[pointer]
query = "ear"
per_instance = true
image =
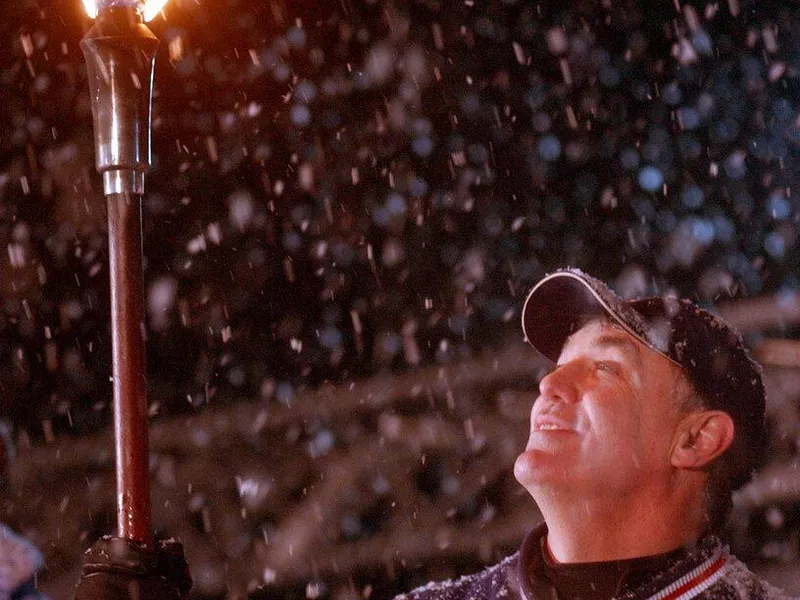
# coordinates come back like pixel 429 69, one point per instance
pixel 700 438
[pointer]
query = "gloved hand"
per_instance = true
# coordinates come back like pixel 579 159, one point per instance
pixel 119 569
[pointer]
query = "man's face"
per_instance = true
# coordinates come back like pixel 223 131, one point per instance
pixel 604 419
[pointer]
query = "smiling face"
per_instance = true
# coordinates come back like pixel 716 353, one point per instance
pixel 604 421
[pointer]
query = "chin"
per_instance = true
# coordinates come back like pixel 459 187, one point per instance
pixel 534 467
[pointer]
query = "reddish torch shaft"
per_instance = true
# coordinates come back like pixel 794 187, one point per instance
pixel 134 520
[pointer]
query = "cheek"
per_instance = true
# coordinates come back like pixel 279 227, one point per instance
pixel 621 431
pixel 661 429
pixel 615 413
pixel 655 438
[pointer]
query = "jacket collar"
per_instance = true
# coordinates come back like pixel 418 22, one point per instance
pixel 702 566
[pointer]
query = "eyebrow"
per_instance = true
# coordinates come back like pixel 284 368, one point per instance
pixel 621 342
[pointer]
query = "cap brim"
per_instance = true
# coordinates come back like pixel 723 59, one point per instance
pixel 557 307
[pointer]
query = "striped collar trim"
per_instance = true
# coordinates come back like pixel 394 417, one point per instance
pixel 695 581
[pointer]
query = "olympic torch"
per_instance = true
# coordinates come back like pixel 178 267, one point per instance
pixel 120 58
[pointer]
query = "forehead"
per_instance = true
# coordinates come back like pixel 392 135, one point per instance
pixel 602 335
pixel 602 331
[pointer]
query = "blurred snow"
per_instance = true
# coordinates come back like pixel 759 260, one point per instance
pixel 344 190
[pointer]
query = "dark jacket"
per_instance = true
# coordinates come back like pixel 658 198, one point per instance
pixel 19 562
pixel 706 572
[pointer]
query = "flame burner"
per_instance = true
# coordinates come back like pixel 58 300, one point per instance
pixel 120 57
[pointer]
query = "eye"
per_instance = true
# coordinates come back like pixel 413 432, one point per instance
pixel 607 367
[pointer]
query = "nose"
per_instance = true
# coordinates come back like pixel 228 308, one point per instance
pixel 560 384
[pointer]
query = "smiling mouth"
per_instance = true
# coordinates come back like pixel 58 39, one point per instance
pixel 550 425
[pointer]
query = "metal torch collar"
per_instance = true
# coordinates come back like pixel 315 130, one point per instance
pixel 119 181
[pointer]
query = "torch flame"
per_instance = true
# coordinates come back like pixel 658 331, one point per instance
pixel 147 8
pixel 151 8
pixel 91 8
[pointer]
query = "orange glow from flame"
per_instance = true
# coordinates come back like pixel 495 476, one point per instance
pixel 147 8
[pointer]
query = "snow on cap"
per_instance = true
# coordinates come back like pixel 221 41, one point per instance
pixel 708 350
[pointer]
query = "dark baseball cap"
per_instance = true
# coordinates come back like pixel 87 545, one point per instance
pixel 708 350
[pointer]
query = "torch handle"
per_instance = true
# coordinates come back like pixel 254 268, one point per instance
pixel 134 521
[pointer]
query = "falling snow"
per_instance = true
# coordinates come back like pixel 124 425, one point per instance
pixel 348 190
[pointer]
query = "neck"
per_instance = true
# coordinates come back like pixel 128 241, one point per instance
pixel 599 530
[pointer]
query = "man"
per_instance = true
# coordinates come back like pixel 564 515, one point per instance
pixel 652 416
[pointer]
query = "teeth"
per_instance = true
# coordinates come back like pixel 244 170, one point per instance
pixel 548 426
